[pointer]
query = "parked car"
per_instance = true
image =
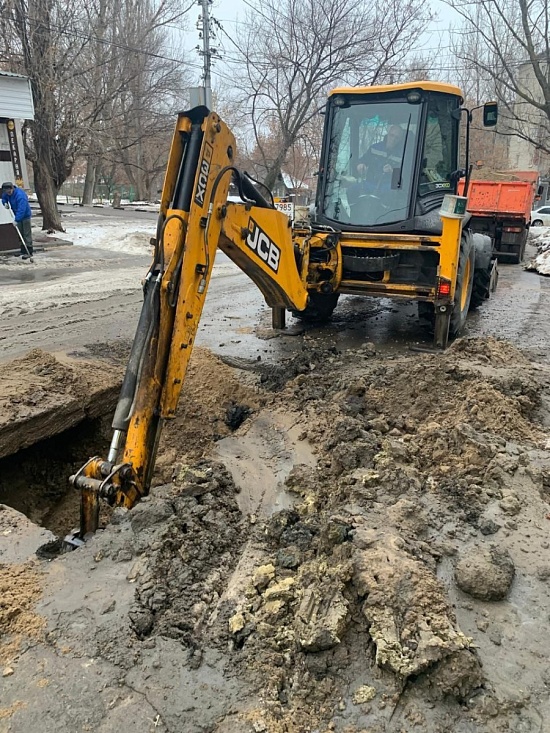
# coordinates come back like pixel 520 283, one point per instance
pixel 541 217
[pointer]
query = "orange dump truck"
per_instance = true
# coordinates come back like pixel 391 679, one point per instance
pixel 502 209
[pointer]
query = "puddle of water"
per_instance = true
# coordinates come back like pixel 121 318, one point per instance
pixel 24 275
pixel 261 459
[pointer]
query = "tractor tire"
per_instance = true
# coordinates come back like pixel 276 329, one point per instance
pixel 481 289
pixel 319 308
pixel 463 290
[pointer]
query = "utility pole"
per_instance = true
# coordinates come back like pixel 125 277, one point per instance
pixel 205 32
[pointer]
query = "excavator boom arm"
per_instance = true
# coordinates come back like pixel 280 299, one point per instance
pixel 194 221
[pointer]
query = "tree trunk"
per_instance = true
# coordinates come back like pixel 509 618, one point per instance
pixel 140 186
pixel 147 186
pixel 90 180
pixel 275 168
pixel 47 197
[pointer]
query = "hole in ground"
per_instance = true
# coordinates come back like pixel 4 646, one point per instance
pixel 35 481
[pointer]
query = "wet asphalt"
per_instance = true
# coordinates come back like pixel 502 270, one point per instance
pixel 236 321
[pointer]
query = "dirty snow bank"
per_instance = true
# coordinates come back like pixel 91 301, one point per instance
pixel 27 298
pixel 540 237
pixel 115 236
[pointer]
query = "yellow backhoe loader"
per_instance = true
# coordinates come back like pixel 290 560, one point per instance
pixel 386 223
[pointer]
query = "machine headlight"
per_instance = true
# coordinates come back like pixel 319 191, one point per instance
pixel 414 97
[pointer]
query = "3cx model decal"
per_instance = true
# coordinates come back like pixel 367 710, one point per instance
pixel 261 244
pixel 204 171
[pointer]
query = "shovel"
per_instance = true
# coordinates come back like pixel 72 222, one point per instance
pixel 21 238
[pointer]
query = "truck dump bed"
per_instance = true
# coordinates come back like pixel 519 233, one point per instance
pixel 508 199
pixel 502 210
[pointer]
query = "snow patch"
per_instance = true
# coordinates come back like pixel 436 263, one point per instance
pixel 540 237
pixel 123 237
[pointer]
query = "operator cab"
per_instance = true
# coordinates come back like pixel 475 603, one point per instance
pixel 389 156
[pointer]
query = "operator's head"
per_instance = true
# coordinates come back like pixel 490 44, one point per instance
pixel 394 136
pixel 7 187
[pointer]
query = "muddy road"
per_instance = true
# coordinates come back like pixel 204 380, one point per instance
pixel 73 297
pixel 343 535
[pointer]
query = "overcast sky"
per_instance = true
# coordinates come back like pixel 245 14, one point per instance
pixel 231 12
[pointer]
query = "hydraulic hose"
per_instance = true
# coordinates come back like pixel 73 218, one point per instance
pixel 145 327
pixel 252 193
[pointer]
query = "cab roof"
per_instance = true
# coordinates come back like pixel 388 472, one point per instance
pixel 428 86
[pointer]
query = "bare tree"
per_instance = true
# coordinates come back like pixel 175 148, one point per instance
pixel 506 43
pixel 294 51
pixel 99 84
pixel 81 57
pixel 133 89
pixel 41 40
pixel 142 119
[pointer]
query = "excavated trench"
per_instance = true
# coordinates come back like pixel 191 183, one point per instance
pixel 35 480
pixel 55 412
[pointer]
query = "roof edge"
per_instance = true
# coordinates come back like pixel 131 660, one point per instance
pixel 429 86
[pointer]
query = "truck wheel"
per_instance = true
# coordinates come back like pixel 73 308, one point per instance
pixel 481 288
pixel 319 308
pixel 463 291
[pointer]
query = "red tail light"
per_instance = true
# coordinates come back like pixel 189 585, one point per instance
pixel 443 288
pixel 512 229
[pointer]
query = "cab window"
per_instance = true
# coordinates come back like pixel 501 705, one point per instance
pixel 370 163
pixel 437 160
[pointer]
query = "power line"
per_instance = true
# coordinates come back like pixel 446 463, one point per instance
pixel 105 41
pixel 487 70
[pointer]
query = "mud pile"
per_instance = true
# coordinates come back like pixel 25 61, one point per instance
pixel 20 588
pixel 347 619
pixel 404 586
pixel 214 403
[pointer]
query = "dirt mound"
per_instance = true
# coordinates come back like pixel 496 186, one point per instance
pixel 487 350
pixel 340 611
pixel 20 588
pixel 490 175
pixel 344 601
pixel 200 546
pixel 215 402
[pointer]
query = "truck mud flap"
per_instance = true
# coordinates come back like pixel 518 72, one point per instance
pixel 494 277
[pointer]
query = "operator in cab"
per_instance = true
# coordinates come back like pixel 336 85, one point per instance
pixel 377 186
pixel 376 166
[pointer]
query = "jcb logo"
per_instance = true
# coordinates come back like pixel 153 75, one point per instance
pixel 259 242
pixel 204 171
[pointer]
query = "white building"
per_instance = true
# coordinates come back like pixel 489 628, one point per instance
pixel 16 105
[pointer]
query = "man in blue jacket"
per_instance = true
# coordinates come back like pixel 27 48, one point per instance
pixel 19 204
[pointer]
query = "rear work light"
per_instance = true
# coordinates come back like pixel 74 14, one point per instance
pixel 512 229
pixel 443 287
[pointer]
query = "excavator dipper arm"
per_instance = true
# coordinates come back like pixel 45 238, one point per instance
pixel 194 220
